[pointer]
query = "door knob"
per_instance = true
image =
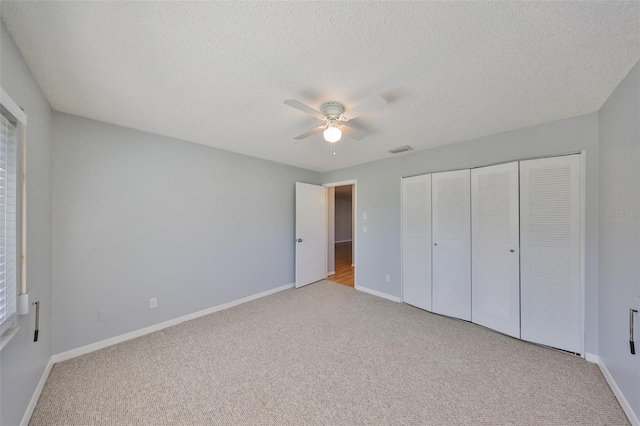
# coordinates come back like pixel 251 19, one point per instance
pixel 435 244
pixel 512 250
pixel 299 240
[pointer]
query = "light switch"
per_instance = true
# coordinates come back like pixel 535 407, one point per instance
pixel 364 229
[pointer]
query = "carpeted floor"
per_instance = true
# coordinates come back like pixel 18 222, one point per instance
pixel 326 354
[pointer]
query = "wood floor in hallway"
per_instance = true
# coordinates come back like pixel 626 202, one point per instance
pixel 344 271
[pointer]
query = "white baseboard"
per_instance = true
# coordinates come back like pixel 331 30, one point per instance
pixel 63 356
pixel 592 358
pixel 626 407
pixel 331 273
pixel 36 394
pixel 378 293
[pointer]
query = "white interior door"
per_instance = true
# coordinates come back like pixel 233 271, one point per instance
pixel 311 233
pixel 451 244
pixel 550 252
pixel 495 249
pixel 416 241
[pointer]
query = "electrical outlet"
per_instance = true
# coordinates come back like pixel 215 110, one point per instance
pixel 364 216
pixel 103 315
pixel 153 303
pixel 387 278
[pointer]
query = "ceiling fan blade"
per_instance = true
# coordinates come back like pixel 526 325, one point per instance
pixel 371 105
pixel 304 108
pixel 348 129
pixel 310 132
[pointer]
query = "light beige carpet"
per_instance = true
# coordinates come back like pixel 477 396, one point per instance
pixel 326 354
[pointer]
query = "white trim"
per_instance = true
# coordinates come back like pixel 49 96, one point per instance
pixel 23 213
pixel 343 183
pixel 354 213
pixel 378 293
pixel 354 247
pixel 331 237
pixel 537 157
pixel 36 393
pixel 342 241
pixel 626 407
pixel 592 358
pixel 402 242
pixel 8 335
pixel 10 324
pixel 63 356
pixel 128 336
pixel 12 107
pixel 583 234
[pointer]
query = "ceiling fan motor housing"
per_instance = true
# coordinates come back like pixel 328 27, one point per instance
pixel 332 109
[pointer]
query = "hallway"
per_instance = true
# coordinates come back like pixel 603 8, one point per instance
pixel 344 271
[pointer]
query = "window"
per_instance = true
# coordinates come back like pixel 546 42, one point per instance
pixel 9 134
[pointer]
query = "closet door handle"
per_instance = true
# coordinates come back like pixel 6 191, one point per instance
pixel 512 250
pixel 632 344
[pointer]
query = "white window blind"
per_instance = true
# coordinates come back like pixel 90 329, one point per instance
pixel 8 233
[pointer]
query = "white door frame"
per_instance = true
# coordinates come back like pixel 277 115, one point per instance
pixel 354 213
pixel 583 264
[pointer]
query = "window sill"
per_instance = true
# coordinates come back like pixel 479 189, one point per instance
pixel 6 337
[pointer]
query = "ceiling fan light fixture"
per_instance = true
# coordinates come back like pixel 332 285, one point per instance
pixel 332 114
pixel 332 133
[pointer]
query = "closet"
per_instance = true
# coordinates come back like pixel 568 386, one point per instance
pixel 451 225
pixel 416 240
pixel 550 190
pixel 499 246
pixel 495 259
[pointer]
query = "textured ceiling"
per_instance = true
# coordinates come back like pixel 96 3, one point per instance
pixel 216 73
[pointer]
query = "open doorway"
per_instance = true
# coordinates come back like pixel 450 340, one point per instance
pixel 341 234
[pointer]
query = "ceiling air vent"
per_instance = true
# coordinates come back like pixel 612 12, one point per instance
pixel 403 148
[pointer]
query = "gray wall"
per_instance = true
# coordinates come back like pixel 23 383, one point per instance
pixel 378 251
pixel 138 215
pixel 344 222
pixel 619 233
pixel 22 361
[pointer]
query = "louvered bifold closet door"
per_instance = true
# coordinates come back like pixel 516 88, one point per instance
pixel 550 252
pixel 451 244
pixel 416 241
pixel 495 261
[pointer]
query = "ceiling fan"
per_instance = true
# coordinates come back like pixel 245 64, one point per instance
pixel 336 119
